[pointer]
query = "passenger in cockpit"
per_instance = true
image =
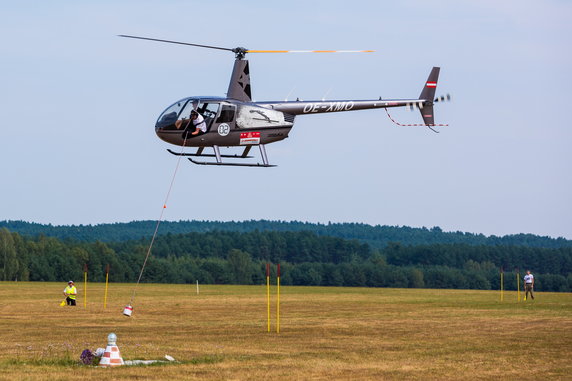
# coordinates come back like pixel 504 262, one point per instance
pixel 194 126
pixel 198 123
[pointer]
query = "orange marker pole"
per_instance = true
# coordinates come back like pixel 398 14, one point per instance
pixel 278 298
pixel 106 282
pixel 85 285
pixel 268 293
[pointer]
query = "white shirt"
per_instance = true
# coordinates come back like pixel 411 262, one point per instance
pixel 529 278
pixel 200 123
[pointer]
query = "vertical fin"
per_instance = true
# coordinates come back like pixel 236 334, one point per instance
pixel 239 86
pixel 427 115
pixel 427 95
pixel 430 87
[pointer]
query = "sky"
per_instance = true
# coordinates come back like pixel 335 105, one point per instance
pixel 79 105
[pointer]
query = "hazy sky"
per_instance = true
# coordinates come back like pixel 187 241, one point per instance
pixel 77 140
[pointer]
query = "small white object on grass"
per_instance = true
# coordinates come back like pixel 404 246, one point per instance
pixel 148 362
pixel 141 362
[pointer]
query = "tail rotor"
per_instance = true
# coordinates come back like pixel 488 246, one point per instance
pixel 419 105
pixel 443 98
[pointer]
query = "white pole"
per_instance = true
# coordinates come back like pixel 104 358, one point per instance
pixel 197 287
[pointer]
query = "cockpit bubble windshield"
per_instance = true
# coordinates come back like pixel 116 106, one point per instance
pixel 178 111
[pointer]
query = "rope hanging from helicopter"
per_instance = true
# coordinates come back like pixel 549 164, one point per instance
pixel 429 126
pixel 160 217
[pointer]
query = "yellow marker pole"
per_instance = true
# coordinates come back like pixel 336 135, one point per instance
pixel 278 299
pixel 85 285
pixel 106 282
pixel 517 286
pixel 268 294
pixel 501 285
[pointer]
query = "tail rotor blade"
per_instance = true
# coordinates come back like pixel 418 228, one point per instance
pixel 443 98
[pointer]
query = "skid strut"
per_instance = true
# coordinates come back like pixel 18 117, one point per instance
pixel 263 154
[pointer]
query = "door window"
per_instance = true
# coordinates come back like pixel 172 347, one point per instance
pixel 208 111
pixel 226 114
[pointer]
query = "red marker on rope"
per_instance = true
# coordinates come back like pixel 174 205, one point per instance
pixel 416 125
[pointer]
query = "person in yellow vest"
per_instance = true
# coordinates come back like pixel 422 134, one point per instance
pixel 70 293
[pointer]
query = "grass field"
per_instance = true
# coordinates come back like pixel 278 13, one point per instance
pixel 326 333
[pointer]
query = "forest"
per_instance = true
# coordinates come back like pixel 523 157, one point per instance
pixel 307 257
pixel 377 236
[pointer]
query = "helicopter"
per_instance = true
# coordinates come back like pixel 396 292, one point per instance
pixel 237 121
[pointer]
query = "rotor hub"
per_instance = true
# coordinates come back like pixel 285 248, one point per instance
pixel 239 52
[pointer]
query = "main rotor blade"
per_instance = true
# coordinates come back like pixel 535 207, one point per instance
pixel 176 42
pixel 242 51
pixel 310 51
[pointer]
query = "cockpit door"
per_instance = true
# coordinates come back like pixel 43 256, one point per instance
pixel 209 111
pixel 227 113
pixel 225 120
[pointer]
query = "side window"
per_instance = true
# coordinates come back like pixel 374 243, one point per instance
pixel 226 114
pixel 209 110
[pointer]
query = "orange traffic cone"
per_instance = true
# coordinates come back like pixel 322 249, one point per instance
pixel 111 356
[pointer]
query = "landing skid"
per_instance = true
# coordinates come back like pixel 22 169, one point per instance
pixel 219 157
pixel 208 155
pixel 230 164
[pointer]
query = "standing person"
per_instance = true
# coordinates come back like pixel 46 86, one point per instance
pixel 528 284
pixel 70 292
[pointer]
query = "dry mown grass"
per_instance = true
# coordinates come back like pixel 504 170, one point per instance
pixel 326 333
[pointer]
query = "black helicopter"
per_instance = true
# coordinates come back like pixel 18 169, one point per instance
pixel 237 121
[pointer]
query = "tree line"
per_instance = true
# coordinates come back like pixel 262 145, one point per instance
pixel 376 236
pixel 306 258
